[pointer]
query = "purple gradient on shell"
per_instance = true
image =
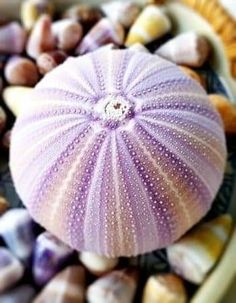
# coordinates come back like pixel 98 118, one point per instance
pixel 121 153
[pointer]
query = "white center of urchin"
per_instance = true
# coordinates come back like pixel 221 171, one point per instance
pixel 113 108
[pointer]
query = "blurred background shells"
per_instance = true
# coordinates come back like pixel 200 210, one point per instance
pixel 49 60
pixel 151 24
pixel 20 294
pixel 195 254
pixel 123 12
pixel 3 118
pixel 4 205
pixel 164 288
pixel 31 10
pixel 12 38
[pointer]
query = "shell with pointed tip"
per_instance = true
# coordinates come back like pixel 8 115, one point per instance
pixel 150 25
pixel 120 159
pixel 104 32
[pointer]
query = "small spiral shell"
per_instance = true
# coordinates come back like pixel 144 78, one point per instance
pixel 119 152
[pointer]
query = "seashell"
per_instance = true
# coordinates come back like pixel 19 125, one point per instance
pixel 67 286
pixel 17 98
pixel 31 10
pixel 164 288
pixel 194 75
pixel 104 32
pixel 21 71
pixel 6 142
pixel 189 49
pixel 80 117
pixel 97 265
pixel 68 33
pixel 151 24
pixel 21 294
pixel 11 270
pixel 86 14
pixel 16 229
pixel 227 111
pixel 48 61
pixel 116 287
pixel 195 254
pixel 41 38
pixel 3 119
pixel 12 38
pixel 50 256
pixel 123 12
pixel 4 205
pixel 138 47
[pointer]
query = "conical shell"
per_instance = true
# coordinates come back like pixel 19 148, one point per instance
pixel 66 287
pixel 123 12
pixel 68 33
pixel 31 10
pixel 50 256
pixel 151 24
pixel 12 38
pixel 116 287
pixel 21 294
pixel 97 265
pixel 164 288
pixel 150 103
pixel 227 111
pixel 194 255
pixel 104 32
pixel 41 38
pixel 21 71
pixel 189 49
pixel 11 270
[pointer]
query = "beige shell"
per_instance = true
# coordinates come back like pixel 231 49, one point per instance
pixel 151 24
pixel 164 288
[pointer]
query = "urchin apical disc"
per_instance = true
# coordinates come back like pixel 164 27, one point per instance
pixel 119 154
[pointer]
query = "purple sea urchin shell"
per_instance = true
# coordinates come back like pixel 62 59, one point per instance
pixel 120 153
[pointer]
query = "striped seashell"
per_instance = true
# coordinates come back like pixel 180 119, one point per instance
pixel 104 32
pixel 11 270
pixel 41 38
pixel 151 24
pixel 21 294
pixel 164 288
pixel 123 12
pixel 67 287
pixel 16 229
pixel 50 256
pixel 130 156
pixel 194 255
pixel 12 38
pixel 116 287
pixel 97 265
pixel 189 49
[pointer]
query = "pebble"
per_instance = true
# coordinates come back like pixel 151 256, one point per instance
pixel 31 10
pixel 11 270
pixel 21 71
pixel 164 288
pixel 189 49
pixel 150 25
pixel 195 254
pixel 16 229
pixel 66 287
pixel 104 32
pixel 41 38
pixel 12 38
pixel 21 294
pixel 50 256
pixel 97 265
pixel 68 33
pixel 48 61
pixel 115 287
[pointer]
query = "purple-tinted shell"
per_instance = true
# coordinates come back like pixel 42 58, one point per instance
pixel 120 153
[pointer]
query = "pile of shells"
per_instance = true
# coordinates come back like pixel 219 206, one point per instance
pixel 33 263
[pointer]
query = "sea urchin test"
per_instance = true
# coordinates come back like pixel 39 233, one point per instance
pixel 120 153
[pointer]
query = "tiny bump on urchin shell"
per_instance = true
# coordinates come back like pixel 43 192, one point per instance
pixel 120 153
